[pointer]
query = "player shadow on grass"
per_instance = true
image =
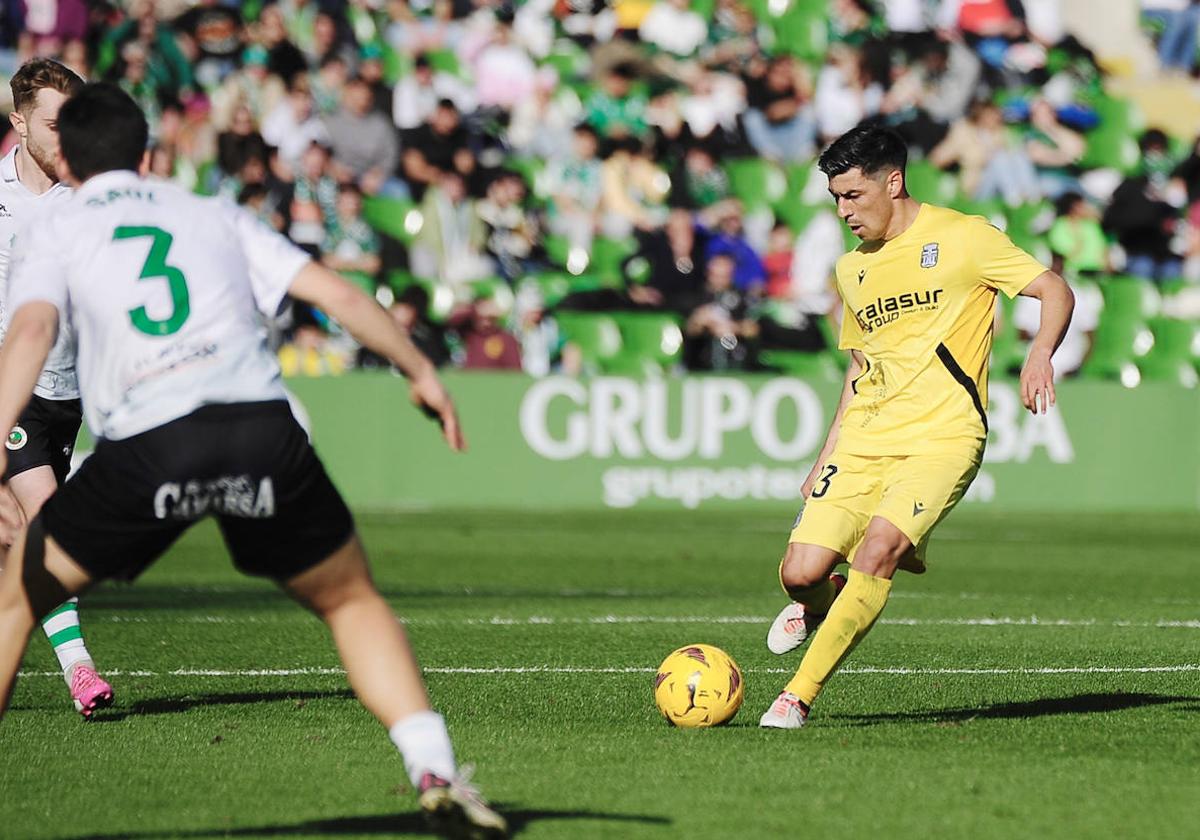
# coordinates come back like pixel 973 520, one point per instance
pixel 1077 704
pixel 173 705
pixel 383 824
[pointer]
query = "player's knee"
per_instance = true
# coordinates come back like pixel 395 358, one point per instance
pixel 880 554
pixel 338 582
pixel 800 569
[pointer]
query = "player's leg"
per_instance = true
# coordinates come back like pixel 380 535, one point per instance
pixel 920 492
pixel 38 574
pixel 850 616
pixel 806 575
pixel 40 458
pixel 854 613
pixel 302 535
pixel 830 524
pixel 385 676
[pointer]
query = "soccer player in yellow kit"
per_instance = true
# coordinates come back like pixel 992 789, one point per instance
pixel 907 438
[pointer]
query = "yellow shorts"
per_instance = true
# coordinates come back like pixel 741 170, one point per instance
pixel 913 492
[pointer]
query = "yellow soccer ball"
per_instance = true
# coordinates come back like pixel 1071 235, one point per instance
pixel 698 685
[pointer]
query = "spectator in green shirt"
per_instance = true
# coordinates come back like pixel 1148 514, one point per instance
pixel 1076 235
pixel 167 69
pixel 615 110
pixel 350 246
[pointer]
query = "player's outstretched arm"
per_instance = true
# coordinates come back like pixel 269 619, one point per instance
pixel 374 329
pixel 28 342
pixel 1037 375
pixel 856 367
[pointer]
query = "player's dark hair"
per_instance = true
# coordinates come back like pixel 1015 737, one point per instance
pixel 866 147
pixel 101 129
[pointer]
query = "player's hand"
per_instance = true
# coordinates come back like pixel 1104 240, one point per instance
pixel 1037 383
pixel 807 487
pixel 431 397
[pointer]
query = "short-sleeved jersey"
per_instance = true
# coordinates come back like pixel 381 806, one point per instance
pixel 920 308
pixel 164 290
pixel 17 207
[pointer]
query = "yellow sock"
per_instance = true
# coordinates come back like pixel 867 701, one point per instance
pixel 849 619
pixel 816 599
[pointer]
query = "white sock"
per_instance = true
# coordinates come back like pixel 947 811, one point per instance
pixel 425 746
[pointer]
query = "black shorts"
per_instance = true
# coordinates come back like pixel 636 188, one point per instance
pixel 248 464
pixel 44 437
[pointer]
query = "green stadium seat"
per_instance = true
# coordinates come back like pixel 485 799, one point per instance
pixel 1107 149
pixel 556 285
pixel 802 30
pixel 798 175
pixel 597 336
pixel 445 61
pixel 1029 219
pixel 926 182
pixel 529 168
pixel 568 59
pixel 395 217
pixel 558 249
pixel 811 366
pixel 992 209
pixel 704 8
pixel 651 336
pixel 756 182
pixel 441 297
pixel 1113 143
pixel 797 215
pixel 1130 298
pixel 608 254
pixel 1175 354
pixel 491 288
pixel 1124 336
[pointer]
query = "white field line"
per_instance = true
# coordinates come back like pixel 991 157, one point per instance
pixel 571 669
pixel 542 621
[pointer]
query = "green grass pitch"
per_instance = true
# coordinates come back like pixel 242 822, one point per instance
pixel 1042 680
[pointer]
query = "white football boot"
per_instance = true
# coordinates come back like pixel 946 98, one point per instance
pixel 455 808
pixel 787 712
pixel 792 627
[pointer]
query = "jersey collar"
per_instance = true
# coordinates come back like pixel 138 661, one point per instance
pixel 107 180
pixel 8 165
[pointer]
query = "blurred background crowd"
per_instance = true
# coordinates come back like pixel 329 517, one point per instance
pixel 599 186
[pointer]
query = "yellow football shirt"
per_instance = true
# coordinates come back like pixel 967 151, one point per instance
pixel 920 308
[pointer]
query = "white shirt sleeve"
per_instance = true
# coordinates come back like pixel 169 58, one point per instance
pixel 37 271
pixel 274 261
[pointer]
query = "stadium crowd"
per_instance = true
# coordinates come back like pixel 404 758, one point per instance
pixel 607 185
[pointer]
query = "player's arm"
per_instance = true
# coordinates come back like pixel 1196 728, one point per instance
pixel 373 328
pixel 856 367
pixel 1037 375
pixel 28 342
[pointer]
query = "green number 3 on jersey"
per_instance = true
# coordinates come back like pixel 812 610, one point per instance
pixel 156 267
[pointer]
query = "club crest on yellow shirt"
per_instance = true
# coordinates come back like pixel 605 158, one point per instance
pixel 929 255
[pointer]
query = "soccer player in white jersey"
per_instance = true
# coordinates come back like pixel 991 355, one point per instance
pixel 40 444
pixel 164 290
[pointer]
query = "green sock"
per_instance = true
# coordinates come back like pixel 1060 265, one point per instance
pixel 63 630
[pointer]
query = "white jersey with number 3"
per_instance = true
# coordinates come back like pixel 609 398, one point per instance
pixel 17 206
pixel 163 289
